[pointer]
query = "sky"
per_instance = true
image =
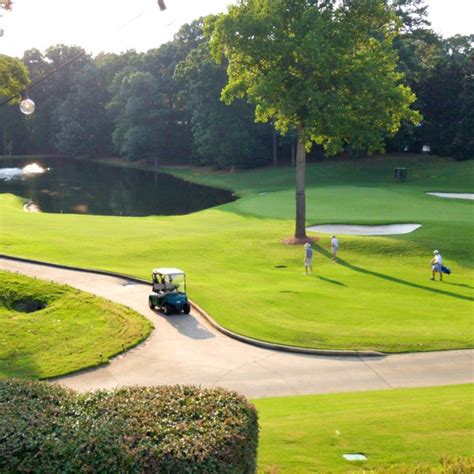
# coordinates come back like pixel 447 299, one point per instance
pixel 118 25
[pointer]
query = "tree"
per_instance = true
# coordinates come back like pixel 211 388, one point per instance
pixel 173 131
pixel 51 93
pixel 138 105
pixel 447 99
pixel 85 127
pixel 412 13
pixel 211 119
pixel 12 130
pixel 420 50
pixel 326 69
pixel 13 76
pixel 464 138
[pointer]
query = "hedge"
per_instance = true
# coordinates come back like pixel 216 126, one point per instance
pixel 45 428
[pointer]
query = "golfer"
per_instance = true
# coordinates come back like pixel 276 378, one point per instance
pixel 436 264
pixel 308 259
pixel 334 247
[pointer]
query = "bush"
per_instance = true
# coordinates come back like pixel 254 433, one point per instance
pixel 46 428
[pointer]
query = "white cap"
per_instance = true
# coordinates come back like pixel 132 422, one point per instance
pixel 435 251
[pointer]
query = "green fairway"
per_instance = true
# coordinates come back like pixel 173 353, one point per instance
pixel 379 296
pixel 311 433
pixel 72 331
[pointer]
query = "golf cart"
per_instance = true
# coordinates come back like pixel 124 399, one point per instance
pixel 169 291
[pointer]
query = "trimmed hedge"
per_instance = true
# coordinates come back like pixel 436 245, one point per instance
pixel 45 428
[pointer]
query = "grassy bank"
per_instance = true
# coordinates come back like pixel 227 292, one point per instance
pixel 378 297
pixel 311 433
pixel 71 331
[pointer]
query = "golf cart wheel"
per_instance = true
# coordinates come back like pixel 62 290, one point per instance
pixel 186 308
pixel 167 309
pixel 150 303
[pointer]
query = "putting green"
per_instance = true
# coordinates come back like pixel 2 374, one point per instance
pixel 379 296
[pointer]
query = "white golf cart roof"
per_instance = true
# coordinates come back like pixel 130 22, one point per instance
pixel 168 271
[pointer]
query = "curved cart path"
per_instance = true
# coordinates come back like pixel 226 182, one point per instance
pixel 185 349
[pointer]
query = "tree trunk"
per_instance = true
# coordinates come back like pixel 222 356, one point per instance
pixel 274 145
pixel 300 229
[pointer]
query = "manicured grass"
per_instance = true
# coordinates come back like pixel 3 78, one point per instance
pixel 74 330
pixel 405 426
pixel 378 297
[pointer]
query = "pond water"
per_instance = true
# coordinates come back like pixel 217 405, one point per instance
pixel 63 185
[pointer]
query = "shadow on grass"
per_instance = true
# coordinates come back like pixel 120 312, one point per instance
pixel 334 282
pixel 463 285
pixel 18 364
pixel 393 279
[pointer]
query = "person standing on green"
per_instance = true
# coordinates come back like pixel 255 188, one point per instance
pixel 308 258
pixel 334 247
pixel 437 265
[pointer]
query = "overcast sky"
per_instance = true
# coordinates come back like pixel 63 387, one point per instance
pixel 118 25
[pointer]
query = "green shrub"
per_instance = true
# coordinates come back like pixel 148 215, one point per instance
pixel 176 429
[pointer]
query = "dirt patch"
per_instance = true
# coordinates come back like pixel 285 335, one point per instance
pixel 298 241
pixel 27 305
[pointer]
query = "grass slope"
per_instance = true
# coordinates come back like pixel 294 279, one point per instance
pixel 378 297
pixel 405 426
pixel 75 330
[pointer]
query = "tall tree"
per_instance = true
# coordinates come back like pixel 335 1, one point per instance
pixel 420 51
pixel 13 76
pixel 85 127
pixel 447 99
pixel 412 13
pixel 138 105
pixel 327 69
pixel 12 130
pixel 49 94
pixel 212 119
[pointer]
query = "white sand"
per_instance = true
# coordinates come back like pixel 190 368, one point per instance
pixel 30 206
pixel 391 229
pixel 469 196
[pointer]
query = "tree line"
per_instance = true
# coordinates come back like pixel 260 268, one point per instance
pixel 165 105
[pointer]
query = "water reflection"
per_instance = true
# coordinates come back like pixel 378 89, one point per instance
pixel 71 186
pixel 7 174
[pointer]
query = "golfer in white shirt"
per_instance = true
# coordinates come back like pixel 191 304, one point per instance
pixel 436 264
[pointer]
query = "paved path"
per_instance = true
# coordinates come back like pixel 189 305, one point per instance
pixel 185 349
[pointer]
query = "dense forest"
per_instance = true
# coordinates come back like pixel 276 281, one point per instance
pixel 164 105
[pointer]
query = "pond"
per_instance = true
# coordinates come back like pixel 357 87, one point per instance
pixel 62 185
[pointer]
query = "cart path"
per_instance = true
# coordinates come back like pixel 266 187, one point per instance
pixel 185 349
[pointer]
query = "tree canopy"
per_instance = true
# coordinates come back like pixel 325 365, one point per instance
pixel 84 109
pixel 329 70
pixel 14 76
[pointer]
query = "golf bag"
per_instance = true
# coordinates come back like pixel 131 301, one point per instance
pixel 445 270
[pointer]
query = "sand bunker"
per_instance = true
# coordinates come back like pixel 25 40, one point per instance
pixel 469 196
pixel 392 229
pixel 30 206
